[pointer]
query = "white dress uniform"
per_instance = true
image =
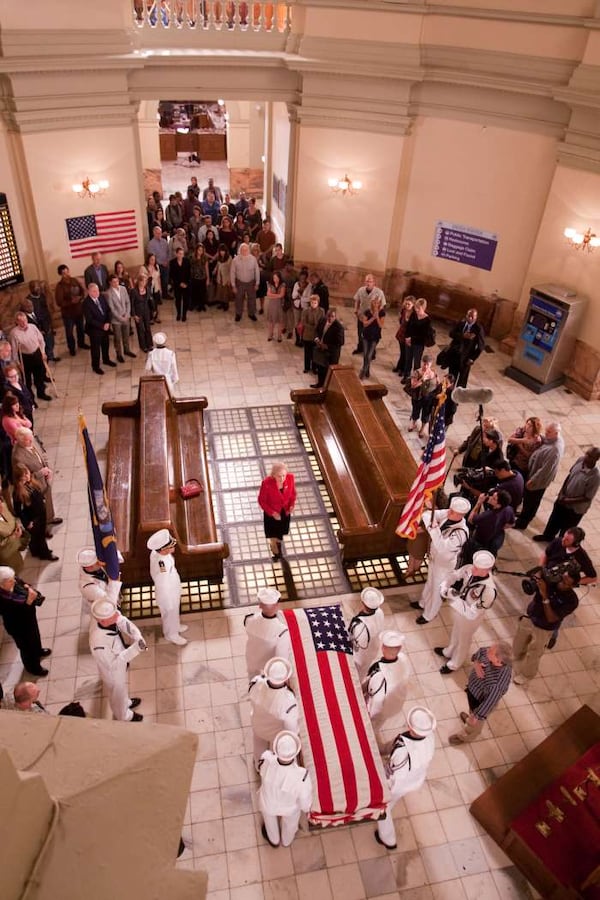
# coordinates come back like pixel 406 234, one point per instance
pixel 112 654
pixel 273 709
pixel 167 590
pixel 468 604
pixel 267 637
pixel 444 550
pixel 286 791
pixel 407 770
pixel 162 361
pixel 364 631
pixel 385 689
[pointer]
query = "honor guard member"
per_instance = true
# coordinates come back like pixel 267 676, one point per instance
pixel 387 680
pixel 410 756
pixel 167 583
pixel 112 653
pixel 448 532
pixel 365 629
pixel 285 791
pixel 273 705
pixel 267 632
pixel 93 574
pixel 469 591
pixel 162 361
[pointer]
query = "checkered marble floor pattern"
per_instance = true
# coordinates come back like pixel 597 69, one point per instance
pixel 442 852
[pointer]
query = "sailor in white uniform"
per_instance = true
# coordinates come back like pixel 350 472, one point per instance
pixel 285 791
pixel 92 574
pixel 364 630
pixel 114 641
pixel 273 705
pixel 448 532
pixel 410 756
pixel 387 681
pixel 267 632
pixel 162 361
pixel 469 590
pixel 167 584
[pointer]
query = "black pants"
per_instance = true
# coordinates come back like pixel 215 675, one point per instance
pixel 531 504
pixel 99 346
pixel 33 364
pixel 561 518
pixel 77 325
pixel 181 302
pixel 26 635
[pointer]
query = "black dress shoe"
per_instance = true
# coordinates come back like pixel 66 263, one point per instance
pixel 50 557
pixel 263 831
pixel 109 362
pixel 356 352
pixel 46 651
pixel 446 670
pixel 414 604
pixel 44 397
pixel 316 385
pixel 39 672
pixel 519 526
pixel 120 358
pixel 98 371
pixel 137 717
pixel 383 844
pixel 421 620
pixel 541 539
pixel 132 355
pixel 55 521
pixel 84 346
pixel 135 701
pixel 55 359
pixel 237 318
pixel 439 651
pixel 252 318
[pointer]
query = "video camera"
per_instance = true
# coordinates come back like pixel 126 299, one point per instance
pixel 550 575
pixel 482 479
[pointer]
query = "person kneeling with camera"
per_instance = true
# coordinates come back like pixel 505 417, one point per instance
pixel 553 599
pixel 18 602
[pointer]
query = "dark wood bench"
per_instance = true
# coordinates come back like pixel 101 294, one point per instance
pixel 366 465
pixel 155 444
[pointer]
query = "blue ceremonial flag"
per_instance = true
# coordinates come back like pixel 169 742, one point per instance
pixel 102 523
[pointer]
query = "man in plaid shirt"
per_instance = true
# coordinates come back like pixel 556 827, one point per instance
pixel 489 680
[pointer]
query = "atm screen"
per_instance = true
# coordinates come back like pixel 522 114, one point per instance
pixel 543 324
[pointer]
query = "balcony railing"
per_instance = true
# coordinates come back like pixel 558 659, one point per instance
pixel 212 15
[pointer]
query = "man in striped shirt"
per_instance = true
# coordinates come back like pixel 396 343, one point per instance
pixel 489 680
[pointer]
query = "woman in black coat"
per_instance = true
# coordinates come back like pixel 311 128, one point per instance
pixel 180 276
pixel 329 341
pixel 141 310
pixel 417 337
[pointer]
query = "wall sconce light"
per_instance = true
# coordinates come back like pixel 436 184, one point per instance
pixel 586 241
pixel 89 188
pixel 344 185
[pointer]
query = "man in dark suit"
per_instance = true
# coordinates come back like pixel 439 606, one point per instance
pixel 329 341
pixel 97 326
pixel 468 341
pixel 97 273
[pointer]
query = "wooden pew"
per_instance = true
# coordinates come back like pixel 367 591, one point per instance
pixel 155 444
pixel 366 465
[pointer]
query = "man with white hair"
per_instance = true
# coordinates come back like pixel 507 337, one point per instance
pixel 285 791
pixel 245 279
pixel 273 705
pixel 410 757
pixel 114 641
pixel 162 361
pixel 541 472
pixel 448 532
pixel 489 680
pixel 387 680
pixel 18 604
pixel 167 584
pixel 364 630
pixel 267 632
pixel 470 591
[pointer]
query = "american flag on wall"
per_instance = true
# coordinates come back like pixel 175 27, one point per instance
pixel 338 743
pixel 103 232
pixel 430 475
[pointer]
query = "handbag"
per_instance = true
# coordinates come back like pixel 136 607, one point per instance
pixel 191 488
pixel 430 337
pixel 443 358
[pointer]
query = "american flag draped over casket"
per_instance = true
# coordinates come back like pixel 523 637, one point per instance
pixel 338 743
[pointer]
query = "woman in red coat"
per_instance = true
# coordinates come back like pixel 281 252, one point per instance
pixel 277 498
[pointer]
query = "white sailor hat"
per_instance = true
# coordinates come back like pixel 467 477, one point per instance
pixel 286 746
pixel 103 609
pixel 483 559
pixel 159 339
pixel 460 505
pixel 87 556
pixel 421 720
pixel 392 639
pixel 371 598
pixel 94 591
pixel 277 670
pixel 268 596
pixel 160 539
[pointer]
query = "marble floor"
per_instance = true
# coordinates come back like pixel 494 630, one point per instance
pixel 442 853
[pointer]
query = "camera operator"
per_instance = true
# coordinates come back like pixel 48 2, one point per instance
pixel 501 477
pixel 492 442
pixel 568 547
pixel 18 602
pixel 489 518
pixel 537 628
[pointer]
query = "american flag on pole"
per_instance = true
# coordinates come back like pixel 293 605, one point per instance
pixel 102 232
pixel 430 474
pixel 338 743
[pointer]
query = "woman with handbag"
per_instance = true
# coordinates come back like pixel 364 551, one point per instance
pixel 418 335
pixel 310 318
pixel 30 508
pixel 277 499
pixel 406 311
pixel 276 291
pixel 522 443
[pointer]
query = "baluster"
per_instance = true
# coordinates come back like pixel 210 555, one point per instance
pixel 164 13
pixel 178 13
pixel 244 12
pixel 257 16
pixel 217 14
pixel 192 13
pixel 283 18
pixel 230 16
pixel 138 12
pixel 267 16
pixel 204 13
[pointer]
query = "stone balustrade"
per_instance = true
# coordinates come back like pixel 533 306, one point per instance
pixel 213 15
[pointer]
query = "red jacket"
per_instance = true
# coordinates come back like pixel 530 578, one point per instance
pixel 271 500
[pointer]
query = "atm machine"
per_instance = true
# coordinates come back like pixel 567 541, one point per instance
pixel 547 340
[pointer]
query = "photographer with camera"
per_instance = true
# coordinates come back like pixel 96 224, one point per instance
pixel 566 548
pixel 553 599
pixel 489 518
pixel 18 602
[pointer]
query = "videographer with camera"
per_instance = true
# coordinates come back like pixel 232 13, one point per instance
pixel 18 602
pixel 489 518
pixel 568 547
pixel 553 599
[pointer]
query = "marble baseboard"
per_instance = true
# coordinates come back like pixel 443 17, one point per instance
pixel 583 375
pixel 249 180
